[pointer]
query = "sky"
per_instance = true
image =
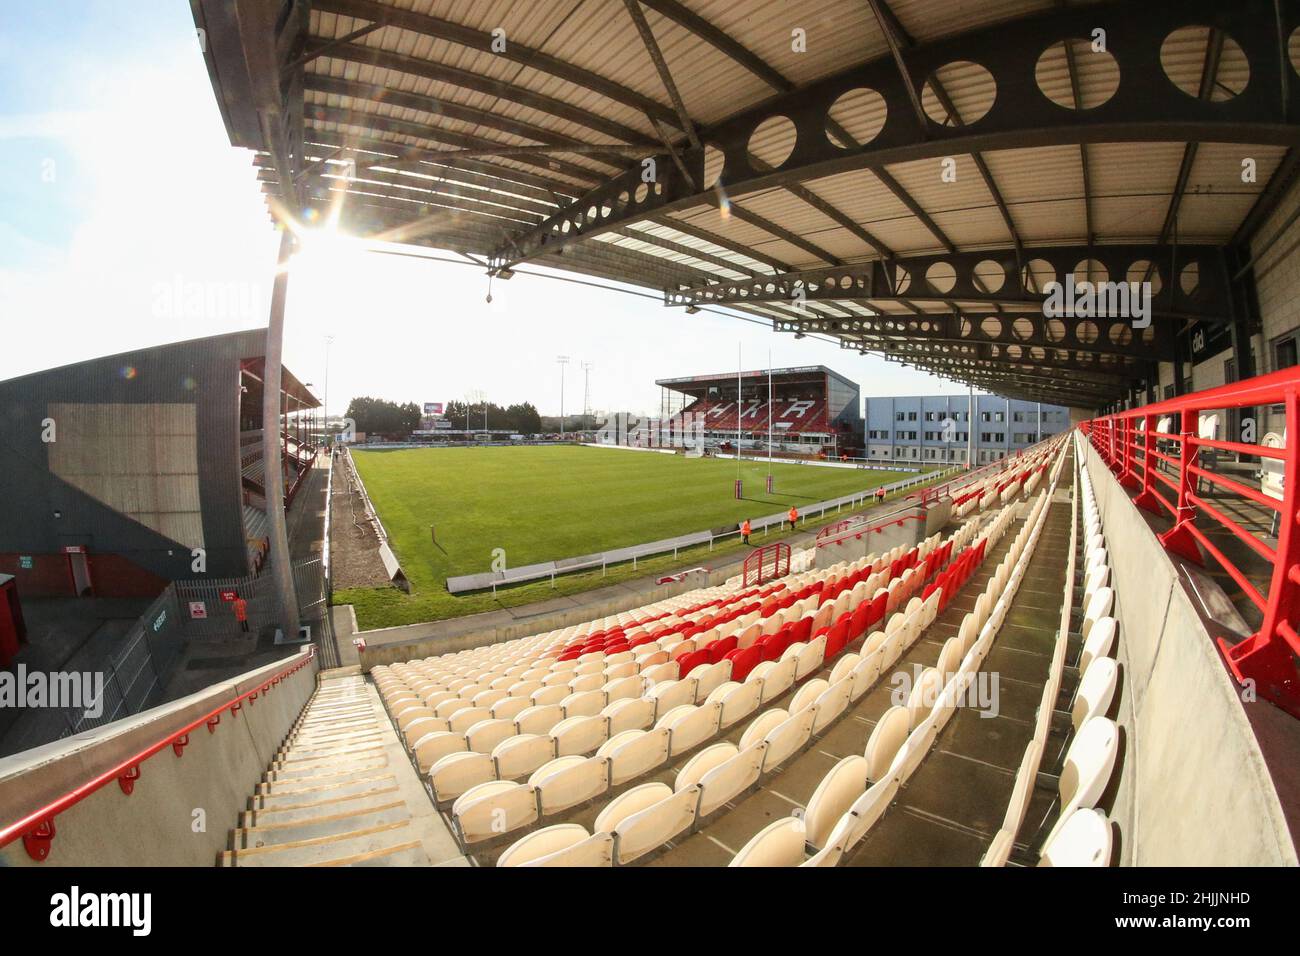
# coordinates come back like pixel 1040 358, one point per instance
pixel 128 220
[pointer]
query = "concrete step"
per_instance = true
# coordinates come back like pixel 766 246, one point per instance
pixel 293 755
pixel 273 795
pixel 328 771
pixel 338 849
pixel 309 806
pixel 338 822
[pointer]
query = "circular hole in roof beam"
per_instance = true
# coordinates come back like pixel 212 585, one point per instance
pixel 1090 270
pixel 1037 354
pixel 1144 270
pixel 1293 49
pixel 772 142
pixel 989 275
pixel 1036 275
pixel 1120 333
pixel 1068 63
pixel 1015 351
pixel 1184 56
pixel 991 326
pixel 941 276
pixel 1022 328
pixel 1055 330
pixel 1149 334
pixel 959 94
pixel 859 113
pixel 714 161
pixel 623 199
pixel 642 190
pixel 964 327
pixel 1189 277
pixel 902 280
pixel 1086 331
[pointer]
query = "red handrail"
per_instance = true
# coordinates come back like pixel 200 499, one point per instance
pixel 1130 446
pixel 37 827
pixel 777 552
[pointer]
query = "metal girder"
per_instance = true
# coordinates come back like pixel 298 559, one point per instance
pixel 1146 107
pixel 973 277
pixel 1026 331
pixel 1082 366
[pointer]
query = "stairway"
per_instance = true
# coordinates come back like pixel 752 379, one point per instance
pixel 340 792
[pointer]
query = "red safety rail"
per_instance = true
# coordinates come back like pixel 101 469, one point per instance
pixel 895 519
pixel 773 557
pixel 934 492
pixel 1130 445
pixel 37 827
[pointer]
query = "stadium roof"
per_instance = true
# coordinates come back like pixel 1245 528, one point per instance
pixel 903 175
pixel 695 382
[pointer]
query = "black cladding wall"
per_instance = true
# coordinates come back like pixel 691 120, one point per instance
pixel 202 372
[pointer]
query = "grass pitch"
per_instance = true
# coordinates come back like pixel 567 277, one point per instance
pixel 539 503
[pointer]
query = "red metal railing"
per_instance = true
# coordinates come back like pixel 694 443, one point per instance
pixel 765 563
pixel 1165 471
pixel 37 827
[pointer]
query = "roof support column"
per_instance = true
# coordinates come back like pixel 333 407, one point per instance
pixel 285 601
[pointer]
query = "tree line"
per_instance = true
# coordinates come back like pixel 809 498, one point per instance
pixel 379 416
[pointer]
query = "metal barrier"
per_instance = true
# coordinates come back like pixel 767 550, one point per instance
pixel 766 563
pixel 1164 471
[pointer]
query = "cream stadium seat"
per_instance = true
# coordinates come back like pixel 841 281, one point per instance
pixel 843 667
pixel 865 673
pixel 831 703
pixel 885 741
pixel 690 726
pixel 950 656
pixel 627 668
pixel 1096 690
pixel 490 809
pixel 634 752
pixel 508 708
pixel 868 809
pixel 1089 762
pixel 709 678
pixel 670 694
pixel 647 817
pixel 1099 606
pixel 579 735
pixel 999 850
pixel 738 700
pixel 1023 788
pixel 630 713
pixel 568 781
pixel 457 772
pixel 788 737
pixel 588 683
pixel 489 697
pixel 1086 839
pixel 625 688
pixel 807 695
pixel 431 748
pixel 520 755
pixel 584 703
pixel 539 719
pixel 552 694
pixel 1099 641
pixel 463 720
pixel 811 657
pixel 780 843
pixel 924 695
pixel 914 750
pixel 566 844
pixel 833 798
pixel 484 736
pixel 410 715
pixel 419 728
pixel 777 678
pixel 449 708
pixel 660 672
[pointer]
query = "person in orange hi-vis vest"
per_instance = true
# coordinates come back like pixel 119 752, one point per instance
pixel 794 517
pixel 744 531
pixel 241 612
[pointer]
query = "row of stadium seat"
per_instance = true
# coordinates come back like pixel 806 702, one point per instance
pixel 1080 835
pixel 643 819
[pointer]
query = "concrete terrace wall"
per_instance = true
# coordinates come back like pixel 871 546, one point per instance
pixel 154 826
pixel 1194 787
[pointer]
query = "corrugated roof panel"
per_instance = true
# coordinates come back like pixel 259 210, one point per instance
pixel 931 19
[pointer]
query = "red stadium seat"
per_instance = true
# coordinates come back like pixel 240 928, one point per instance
pixel 721 648
pixel 688 662
pixel 858 622
pixel 838 636
pixel 743 661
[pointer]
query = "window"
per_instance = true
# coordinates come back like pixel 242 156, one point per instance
pixel 1169 392
pixel 1285 350
pixel 984 417
pixel 911 416
pixel 997 416
pixel 898 417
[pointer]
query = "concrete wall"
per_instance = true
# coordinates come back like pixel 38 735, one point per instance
pixel 156 825
pixel 1194 788
pixel 875 541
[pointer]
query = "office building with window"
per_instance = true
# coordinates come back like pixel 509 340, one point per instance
pixel 947 429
